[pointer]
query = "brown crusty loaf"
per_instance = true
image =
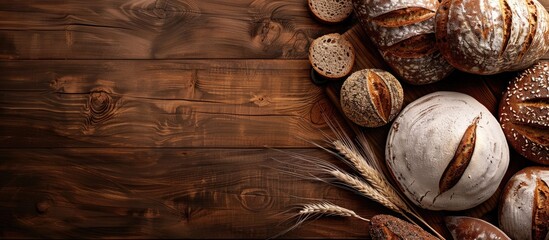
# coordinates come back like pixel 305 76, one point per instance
pixel 371 97
pixel 466 228
pixel 330 11
pixel 524 205
pixel 524 113
pixel 492 36
pixel 332 56
pixel 383 227
pixel 403 31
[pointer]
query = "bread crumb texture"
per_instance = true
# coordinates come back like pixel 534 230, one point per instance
pixel 332 56
pixel 331 11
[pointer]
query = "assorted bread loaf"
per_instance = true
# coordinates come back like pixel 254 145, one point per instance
pixel 524 113
pixel 332 56
pixel 492 36
pixel 330 11
pixel 524 208
pixel 447 152
pixel 371 97
pixel 404 33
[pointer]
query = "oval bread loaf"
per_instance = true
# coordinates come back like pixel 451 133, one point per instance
pixel 332 56
pixel 446 151
pixel 468 228
pixel 403 31
pixel 492 36
pixel 371 97
pixel 524 113
pixel 524 205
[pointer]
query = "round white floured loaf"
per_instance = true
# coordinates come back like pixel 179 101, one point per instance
pixel 524 206
pixel 434 133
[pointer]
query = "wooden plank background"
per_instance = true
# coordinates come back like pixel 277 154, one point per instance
pixel 150 119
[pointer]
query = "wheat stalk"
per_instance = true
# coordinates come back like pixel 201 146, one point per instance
pixel 373 176
pixel 364 189
pixel 329 209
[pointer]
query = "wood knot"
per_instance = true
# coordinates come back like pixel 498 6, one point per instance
pixel 321 107
pixel 100 107
pixel 260 100
pixel 164 9
pixel 43 206
pixel 255 199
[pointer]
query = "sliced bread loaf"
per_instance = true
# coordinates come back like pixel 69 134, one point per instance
pixel 331 11
pixel 332 56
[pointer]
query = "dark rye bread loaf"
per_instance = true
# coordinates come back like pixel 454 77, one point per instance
pixel 524 113
pixel 403 31
pixel 383 227
pixel 492 36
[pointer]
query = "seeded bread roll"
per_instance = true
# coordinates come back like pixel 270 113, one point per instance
pixel 331 11
pixel 371 97
pixel 384 227
pixel 492 36
pixel 332 56
pixel 524 113
pixel 446 151
pixel 403 31
pixel 524 205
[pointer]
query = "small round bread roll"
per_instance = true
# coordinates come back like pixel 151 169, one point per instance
pixel 524 113
pixel 446 151
pixel 524 205
pixel 332 56
pixel 371 97
pixel 331 11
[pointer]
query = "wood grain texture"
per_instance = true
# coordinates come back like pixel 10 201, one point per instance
pixel 163 193
pixel 157 29
pixel 225 103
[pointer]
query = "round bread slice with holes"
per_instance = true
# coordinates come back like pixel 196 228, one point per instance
pixel 446 151
pixel 331 11
pixel 332 56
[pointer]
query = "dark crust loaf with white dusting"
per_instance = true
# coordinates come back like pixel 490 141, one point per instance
pixel 403 31
pixel 524 113
pixel 524 206
pixel 383 227
pixel 492 36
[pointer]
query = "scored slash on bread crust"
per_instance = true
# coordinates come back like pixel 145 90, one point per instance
pixel 394 26
pixel 330 11
pixel 492 36
pixel 332 56
pixel 524 113
pixel 371 97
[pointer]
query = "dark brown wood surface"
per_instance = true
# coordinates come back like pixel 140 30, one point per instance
pixel 151 119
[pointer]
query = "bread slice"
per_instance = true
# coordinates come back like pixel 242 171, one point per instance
pixel 332 56
pixel 331 11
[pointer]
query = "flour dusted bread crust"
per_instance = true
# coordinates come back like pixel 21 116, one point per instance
pixel 371 97
pixel 447 152
pixel 524 205
pixel 403 31
pixel 524 113
pixel 332 56
pixel 330 11
pixel 492 36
